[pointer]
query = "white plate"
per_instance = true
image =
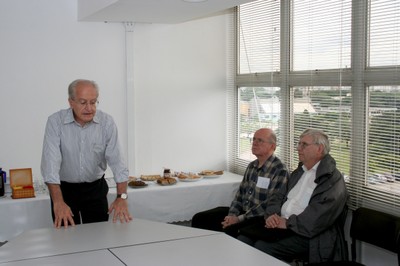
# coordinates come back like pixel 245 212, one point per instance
pixel 211 176
pixel 190 179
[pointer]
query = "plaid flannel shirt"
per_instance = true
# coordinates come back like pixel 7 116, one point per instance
pixel 251 200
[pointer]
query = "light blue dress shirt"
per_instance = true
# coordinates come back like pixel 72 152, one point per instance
pixel 76 154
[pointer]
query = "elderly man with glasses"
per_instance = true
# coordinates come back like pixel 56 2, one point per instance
pixel 305 222
pixel 263 177
pixel 78 144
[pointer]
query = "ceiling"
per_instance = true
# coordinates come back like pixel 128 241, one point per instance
pixel 151 11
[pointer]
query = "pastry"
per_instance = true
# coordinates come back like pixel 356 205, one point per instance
pixel 210 172
pixel 193 176
pixel 137 183
pixel 166 181
pixel 150 177
pixel 183 176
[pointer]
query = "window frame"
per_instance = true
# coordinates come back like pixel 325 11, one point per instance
pixel 359 77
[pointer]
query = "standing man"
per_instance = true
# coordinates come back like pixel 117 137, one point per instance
pixel 305 222
pixel 263 177
pixel 78 144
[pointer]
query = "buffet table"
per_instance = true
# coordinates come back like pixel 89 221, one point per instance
pixel 139 242
pixel 154 202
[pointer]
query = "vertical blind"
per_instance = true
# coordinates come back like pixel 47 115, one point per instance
pixel 258 45
pixel 343 77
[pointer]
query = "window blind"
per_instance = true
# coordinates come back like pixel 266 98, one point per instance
pixel 338 70
pixel 259 36
pixel 258 51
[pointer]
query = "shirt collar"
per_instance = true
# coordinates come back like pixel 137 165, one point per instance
pixel 314 168
pixel 267 162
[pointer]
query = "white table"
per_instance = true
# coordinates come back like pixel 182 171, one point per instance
pixel 174 203
pixel 219 249
pixel 18 215
pixel 140 242
pixel 181 201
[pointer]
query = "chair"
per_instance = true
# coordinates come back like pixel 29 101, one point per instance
pixel 374 227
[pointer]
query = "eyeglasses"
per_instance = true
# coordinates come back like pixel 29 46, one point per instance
pixel 303 145
pixel 258 140
pixel 84 103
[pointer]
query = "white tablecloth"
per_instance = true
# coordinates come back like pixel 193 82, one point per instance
pixel 173 203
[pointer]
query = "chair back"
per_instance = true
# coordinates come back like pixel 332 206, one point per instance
pixel 398 248
pixel 376 228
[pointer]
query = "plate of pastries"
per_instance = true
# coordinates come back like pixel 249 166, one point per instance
pixel 211 173
pixel 137 184
pixel 189 177
pixel 166 181
pixel 150 177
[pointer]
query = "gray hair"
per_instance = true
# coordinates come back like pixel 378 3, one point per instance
pixel 272 137
pixel 75 83
pixel 319 137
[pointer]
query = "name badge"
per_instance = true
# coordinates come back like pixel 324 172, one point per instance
pixel 263 182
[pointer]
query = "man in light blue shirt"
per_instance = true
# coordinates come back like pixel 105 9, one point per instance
pixel 78 144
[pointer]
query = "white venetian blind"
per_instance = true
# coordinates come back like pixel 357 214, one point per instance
pixel 321 53
pixel 321 34
pixel 259 36
pixel 332 65
pixel 382 183
pixel 258 44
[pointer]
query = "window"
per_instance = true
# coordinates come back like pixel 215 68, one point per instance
pixel 259 37
pixel 318 42
pixel 332 65
pixel 259 107
pixel 327 108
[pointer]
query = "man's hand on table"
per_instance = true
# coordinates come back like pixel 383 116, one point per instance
pixel 121 212
pixel 62 213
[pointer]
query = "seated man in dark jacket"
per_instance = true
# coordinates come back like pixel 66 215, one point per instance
pixel 302 223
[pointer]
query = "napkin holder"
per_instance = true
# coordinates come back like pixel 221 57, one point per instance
pixel 21 183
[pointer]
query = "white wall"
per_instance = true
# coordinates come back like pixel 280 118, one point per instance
pixel 180 99
pixel 42 49
pixel 179 82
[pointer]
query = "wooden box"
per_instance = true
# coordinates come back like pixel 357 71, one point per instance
pixel 21 183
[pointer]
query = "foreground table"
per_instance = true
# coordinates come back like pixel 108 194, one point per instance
pixel 140 242
pixel 174 203
pixel 219 249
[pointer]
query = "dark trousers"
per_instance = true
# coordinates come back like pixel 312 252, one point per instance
pixel 212 219
pixel 286 249
pixel 88 201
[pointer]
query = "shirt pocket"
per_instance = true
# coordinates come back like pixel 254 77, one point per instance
pixel 98 151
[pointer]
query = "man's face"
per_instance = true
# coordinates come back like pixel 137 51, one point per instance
pixel 261 145
pixel 309 152
pixel 84 103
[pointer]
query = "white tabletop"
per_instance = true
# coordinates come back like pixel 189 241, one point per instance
pixel 139 242
pixel 89 237
pixel 219 249
pixel 95 258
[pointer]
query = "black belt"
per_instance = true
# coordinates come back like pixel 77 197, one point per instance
pixel 82 184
